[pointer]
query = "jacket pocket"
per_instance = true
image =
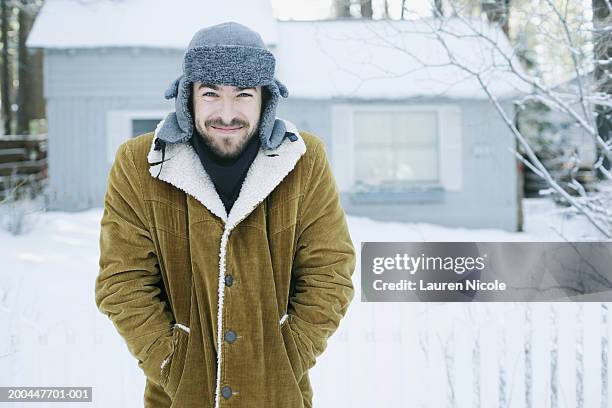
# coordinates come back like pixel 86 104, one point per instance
pixel 172 367
pixel 291 349
pixel 282 216
pixel 168 218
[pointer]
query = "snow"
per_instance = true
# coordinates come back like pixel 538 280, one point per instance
pixel 145 23
pixel 53 335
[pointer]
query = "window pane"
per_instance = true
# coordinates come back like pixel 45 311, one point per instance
pixel 416 164
pixel 415 129
pixel 372 129
pixel 140 126
pixel 374 166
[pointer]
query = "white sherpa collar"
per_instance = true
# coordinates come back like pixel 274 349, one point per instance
pixel 182 168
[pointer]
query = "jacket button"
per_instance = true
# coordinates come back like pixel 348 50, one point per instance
pixel 230 336
pixel 229 279
pixel 226 392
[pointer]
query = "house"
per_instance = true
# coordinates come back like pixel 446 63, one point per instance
pixel 406 142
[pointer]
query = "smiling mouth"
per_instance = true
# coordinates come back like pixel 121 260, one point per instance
pixel 226 130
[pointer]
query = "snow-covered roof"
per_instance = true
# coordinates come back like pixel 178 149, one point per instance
pixel 385 58
pixel 147 23
pixel 351 58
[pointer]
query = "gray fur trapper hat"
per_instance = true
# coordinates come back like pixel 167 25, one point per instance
pixel 228 54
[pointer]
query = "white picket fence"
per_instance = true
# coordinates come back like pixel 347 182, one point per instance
pixel 476 355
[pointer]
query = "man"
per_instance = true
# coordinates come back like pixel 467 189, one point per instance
pixel 227 265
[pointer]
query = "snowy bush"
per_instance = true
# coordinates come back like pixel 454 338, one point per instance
pixel 21 206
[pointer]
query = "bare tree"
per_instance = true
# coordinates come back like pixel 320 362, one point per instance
pixel 25 83
pixel 21 84
pixel 24 69
pixel 602 16
pixel 341 8
pixel 497 12
pixel 366 9
pixel 5 88
pixel 564 37
pixel 438 9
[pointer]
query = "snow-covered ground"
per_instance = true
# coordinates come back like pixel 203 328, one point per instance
pixel 53 335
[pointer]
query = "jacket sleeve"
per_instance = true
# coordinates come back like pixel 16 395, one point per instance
pixel 323 266
pixel 125 288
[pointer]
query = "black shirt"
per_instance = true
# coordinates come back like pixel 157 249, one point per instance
pixel 226 174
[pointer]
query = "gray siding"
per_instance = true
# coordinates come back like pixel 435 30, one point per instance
pixel 489 194
pixel 80 88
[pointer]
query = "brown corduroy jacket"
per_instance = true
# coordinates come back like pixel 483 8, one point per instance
pixel 224 310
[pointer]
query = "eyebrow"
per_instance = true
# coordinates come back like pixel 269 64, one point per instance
pixel 216 88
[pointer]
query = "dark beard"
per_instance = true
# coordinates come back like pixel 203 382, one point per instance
pixel 207 139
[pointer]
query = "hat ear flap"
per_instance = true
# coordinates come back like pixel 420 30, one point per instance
pixel 172 90
pixel 282 88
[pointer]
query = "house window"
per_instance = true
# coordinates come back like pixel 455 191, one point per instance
pixel 141 126
pixel 123 125
pixel 394 148
pixel 397 153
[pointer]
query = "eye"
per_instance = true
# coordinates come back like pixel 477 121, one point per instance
pixel 245 94
pixel 209 93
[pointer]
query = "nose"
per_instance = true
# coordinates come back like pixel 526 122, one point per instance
pixel 227 112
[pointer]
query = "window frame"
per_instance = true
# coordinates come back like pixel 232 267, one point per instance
pixel 120 127
pixel 450 155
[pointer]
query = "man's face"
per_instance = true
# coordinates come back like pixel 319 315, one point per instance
pixel 226 117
